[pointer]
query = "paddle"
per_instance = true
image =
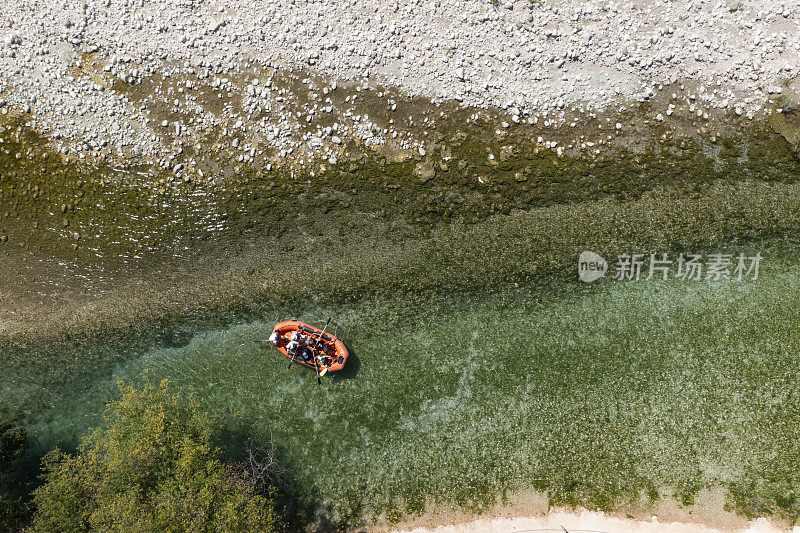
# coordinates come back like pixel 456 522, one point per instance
pixel 254 342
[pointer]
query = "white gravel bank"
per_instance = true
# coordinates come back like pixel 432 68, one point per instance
pixel 592 522
pixel 525 56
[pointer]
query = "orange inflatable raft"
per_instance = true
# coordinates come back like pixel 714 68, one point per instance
pixel 328 351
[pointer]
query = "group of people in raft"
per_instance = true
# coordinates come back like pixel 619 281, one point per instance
pixel 304 347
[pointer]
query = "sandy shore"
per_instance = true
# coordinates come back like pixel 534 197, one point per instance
pixel 530 511
pixel 589 521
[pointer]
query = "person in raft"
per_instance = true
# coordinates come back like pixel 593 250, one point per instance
pixel 298 337
pixel 306 354
pixel 306 350
pixel 323 360
pixel 298 346
pixel 294 344
pixel 276 338
pixel 291 347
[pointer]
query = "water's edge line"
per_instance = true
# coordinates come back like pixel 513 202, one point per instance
pixel 529 511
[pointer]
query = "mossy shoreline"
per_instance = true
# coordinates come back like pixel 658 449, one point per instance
pixel 101 215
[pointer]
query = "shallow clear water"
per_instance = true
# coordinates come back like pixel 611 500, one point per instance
pixel 591 393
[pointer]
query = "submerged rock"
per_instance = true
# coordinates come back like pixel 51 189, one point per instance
pixel 425 170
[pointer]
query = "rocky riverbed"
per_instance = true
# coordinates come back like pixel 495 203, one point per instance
pixel 148 79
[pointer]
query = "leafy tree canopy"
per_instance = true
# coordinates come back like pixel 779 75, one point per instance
pixel 149 467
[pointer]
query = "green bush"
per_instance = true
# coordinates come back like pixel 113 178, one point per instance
pixel 150 467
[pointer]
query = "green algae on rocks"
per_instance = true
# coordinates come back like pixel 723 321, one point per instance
pixel 93 211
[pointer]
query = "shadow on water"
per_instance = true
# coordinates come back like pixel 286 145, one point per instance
pixel 297 501
pixel 350 369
